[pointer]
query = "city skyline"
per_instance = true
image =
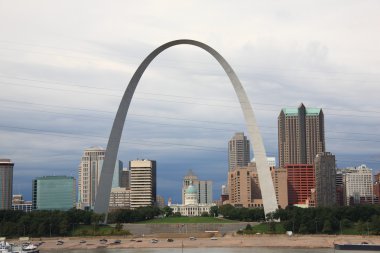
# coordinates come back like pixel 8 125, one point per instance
pixel 62 81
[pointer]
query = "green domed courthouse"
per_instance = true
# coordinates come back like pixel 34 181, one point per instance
pixel 191 207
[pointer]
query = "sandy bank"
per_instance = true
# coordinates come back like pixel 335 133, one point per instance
pixel 298 241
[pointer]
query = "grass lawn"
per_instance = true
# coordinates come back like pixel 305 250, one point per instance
pixel 197 219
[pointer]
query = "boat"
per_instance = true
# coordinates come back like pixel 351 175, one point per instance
pixel 6 247
pixel 364 246
pixel 31 248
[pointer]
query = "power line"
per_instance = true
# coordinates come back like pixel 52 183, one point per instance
pixel 235 102
pixel 192 126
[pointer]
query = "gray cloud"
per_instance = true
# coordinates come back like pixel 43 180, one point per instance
pixel 66 74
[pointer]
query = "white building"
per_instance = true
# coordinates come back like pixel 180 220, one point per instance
pixel 142 183
pixel 120 198
pixel 18 203
pixel 357 183
pixel 89 174
pixel 191 207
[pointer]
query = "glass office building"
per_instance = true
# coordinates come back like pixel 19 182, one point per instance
pixel 54 193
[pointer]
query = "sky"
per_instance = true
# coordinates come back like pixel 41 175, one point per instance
pixel 64 66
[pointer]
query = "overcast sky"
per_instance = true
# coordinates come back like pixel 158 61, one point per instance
pixel 64 66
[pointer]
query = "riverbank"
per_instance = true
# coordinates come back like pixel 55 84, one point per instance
pixel 298 241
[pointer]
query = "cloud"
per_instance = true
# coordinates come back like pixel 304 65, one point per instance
pixel 62 79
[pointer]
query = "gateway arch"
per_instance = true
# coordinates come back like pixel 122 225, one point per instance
pixel 105 183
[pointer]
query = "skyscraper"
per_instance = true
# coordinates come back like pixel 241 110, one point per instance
pixel 143 183
pixel 125 178
pixel 358 186
pixel 53 193
pixel 238 151
pixel 244 186
pixel 6 183
pixel 301 135
pixel 325 179
pixel 89 174
pixel 301 183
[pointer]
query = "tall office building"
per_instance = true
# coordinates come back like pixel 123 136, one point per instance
pixel 143 183
pixel 116 180
pixel 376 185
pixel 244 186
pixel 325 179
pixel 53 193
pixel 280 182
pixel 301 135
pixel 125 178
pixel 339 188
pixel 89 175
pixel 238 151
pixel 120 198
pixel 6 183
pixel 301 183
pixel 358 186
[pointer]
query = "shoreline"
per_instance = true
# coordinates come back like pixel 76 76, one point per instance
pixel 228 241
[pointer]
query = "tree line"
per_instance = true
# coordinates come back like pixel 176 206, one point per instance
pixel 38 223
pixel 364 219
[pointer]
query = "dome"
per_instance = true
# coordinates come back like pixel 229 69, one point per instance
pixel 191 190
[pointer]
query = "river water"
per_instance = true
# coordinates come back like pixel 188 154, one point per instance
pixel 206 250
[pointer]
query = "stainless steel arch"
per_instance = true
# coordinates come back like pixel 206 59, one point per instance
pixel 266 183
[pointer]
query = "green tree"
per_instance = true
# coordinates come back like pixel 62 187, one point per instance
pixel 327 227
pixel 227 211
pixel 204 214
pixel 303 229
pixel 168 211
pixel 118 226
pixel 272 227
pixel 177 214
pixel 214 211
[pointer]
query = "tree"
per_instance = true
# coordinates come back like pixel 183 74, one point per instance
pixel 168 211
pixel 204 214
pixel 227 210
pixel 118 226
pixel 303 229
pixel 214 211
pixel 272 227
pixel 327 228
pixel 177 214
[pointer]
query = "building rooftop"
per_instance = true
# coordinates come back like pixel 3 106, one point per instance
pixel 294 111
pixel 94 148
pixel 53 177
